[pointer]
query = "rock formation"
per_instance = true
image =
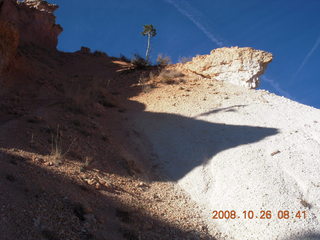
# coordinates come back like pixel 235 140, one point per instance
pixel 240 66
pixel 34 21
pixel 29 23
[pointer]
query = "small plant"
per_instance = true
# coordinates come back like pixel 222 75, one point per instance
pixel 86 164
pixel 163 60
pixel 57 153
pixel 168 76
pixel 99 54
pixel 139 62
pixel 150 31
pixel 32 140
pixel 124 58
pixel 143 82
pixel 56 148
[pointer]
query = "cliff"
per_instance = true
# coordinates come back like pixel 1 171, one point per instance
pixel 33 20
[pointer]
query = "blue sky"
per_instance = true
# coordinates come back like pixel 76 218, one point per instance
pixel 289 29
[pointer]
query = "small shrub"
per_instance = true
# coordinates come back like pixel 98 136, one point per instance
pixel 168 76
pixel 163 60
pixel 124 58
pixel 139 62
pixel 86 164
pixel 100 54
pixel 144 82
pixel 56 148
pixel 57 153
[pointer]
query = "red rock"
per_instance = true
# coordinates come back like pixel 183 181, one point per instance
pixel 34 21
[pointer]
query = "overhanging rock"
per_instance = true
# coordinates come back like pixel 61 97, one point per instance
pixel 240 66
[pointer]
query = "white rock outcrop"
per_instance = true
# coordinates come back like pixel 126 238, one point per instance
pixel 240 66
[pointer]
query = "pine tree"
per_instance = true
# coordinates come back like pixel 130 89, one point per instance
pixel 150 31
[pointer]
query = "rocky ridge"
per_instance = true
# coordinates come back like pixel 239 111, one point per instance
pixel 239 66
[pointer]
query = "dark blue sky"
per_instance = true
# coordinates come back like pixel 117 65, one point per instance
pixel 290 29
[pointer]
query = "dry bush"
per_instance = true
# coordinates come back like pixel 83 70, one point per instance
pixel 56 147
pixel 57 155
pixel 86 164
pixel 124 58
pixel 143 82
pixel 163 60
pixel 99 54
pixel 169 76
pixel 139 62
pixel 9 40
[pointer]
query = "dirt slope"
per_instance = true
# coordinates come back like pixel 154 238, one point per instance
pixel 236 149
pixel 68 167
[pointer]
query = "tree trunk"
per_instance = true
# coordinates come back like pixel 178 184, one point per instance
pixel 148 49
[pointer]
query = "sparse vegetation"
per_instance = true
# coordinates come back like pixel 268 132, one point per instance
pixel 163 60
pixel 57 153
pixel 139 62
pixel 124 58
pixel 56 147
pixel 149 80
pixel 143 83
pixel 100 54
pixel 86 164
pixel 169 76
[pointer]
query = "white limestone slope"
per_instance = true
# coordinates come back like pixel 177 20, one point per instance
pixel 249 151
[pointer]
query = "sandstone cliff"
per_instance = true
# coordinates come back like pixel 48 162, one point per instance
pixel 34 20
pixel 240 66
pixel 24 25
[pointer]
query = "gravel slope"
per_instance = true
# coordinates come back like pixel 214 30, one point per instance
pixel 236 149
